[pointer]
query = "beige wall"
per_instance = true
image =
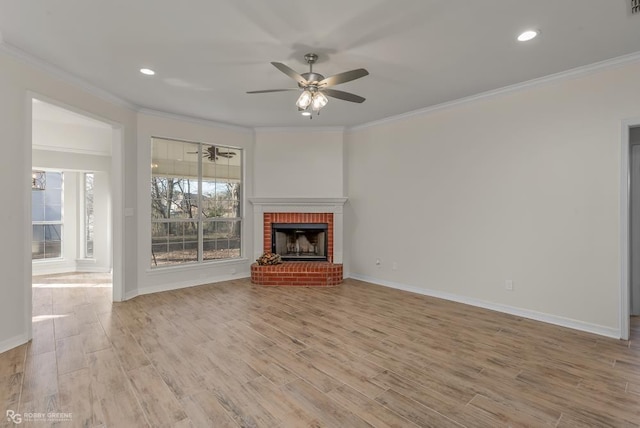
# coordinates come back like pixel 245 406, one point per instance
pixel 298 163
pixel 522 186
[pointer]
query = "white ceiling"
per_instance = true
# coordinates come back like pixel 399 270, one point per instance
pixel 208 53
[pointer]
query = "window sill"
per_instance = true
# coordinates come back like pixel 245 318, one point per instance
pixel 45 261
pixel 196 266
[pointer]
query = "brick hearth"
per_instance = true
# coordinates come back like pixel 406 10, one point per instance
pixel 298 273
pixel 306 274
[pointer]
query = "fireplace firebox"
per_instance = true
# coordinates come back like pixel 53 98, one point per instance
pixel 300 241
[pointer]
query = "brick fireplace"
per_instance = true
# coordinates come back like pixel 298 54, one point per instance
pixel 298 218
pixel 303 212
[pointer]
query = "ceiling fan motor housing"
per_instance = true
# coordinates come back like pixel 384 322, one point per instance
pixel 312 78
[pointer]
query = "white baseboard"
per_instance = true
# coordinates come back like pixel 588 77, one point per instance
pixel 184 284
pixel 12 342
pixel 524 313
pixel 52 268
pixel 90 266
pixel 88 269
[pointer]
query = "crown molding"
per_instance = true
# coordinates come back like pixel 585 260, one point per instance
pixel 64 75
pixel 195 120
pixel 292 129
pixel 556 77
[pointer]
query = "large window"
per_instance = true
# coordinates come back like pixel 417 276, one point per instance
pixel 195 202
pixel 46 218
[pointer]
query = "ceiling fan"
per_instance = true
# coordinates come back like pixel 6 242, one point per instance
pixel 315 87
pixel 213 153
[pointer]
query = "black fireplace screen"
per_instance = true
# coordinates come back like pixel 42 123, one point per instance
pixel 300 241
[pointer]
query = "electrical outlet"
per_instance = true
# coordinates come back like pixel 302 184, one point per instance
pixel 508 285
pixel 378 262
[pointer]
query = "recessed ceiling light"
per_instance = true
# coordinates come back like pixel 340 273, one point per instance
pixel 528 35
pixel 147 71
pixel 306 113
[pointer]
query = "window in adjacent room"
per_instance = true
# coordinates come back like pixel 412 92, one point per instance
pixel 196 214
pixel 46 216
pixel 88 215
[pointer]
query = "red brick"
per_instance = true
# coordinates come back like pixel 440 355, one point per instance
pixel 311 274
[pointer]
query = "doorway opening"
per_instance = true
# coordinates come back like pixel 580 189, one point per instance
pixel 633 292
pixel 629 228
pixel 76 194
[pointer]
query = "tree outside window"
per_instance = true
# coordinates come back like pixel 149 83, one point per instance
pixel 195 202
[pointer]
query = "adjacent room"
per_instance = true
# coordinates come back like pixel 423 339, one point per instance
pixel 366 213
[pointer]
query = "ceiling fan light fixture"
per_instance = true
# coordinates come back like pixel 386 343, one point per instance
pixel 38 180
pixel 304 100
pixel 528 35
pixel 316 88
pixel 319 101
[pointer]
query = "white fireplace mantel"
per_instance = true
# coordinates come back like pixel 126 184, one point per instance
pixel 298 205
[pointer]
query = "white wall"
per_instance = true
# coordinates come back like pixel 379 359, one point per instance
pixel 72 138
pixel 102 227
pixel 523 186
pixel 166 278
pixel 299 163
pixel 19 80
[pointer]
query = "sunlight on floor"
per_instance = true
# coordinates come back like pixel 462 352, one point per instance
pixel 70 285
pixel 39 318
pixel 73 280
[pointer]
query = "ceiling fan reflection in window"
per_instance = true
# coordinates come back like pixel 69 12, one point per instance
pixel 214 153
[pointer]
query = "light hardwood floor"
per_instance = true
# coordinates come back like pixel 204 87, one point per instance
pixel 233 354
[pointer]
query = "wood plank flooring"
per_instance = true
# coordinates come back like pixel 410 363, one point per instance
pixel 234 354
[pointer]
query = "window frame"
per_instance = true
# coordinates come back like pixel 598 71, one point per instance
pixel 59 223
pixel 200 220
pixel 85 217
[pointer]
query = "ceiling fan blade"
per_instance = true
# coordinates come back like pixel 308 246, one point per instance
pixel 342 95
pixel 290 72
pixel 271 90
pixel 347 76
pixel 225 153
